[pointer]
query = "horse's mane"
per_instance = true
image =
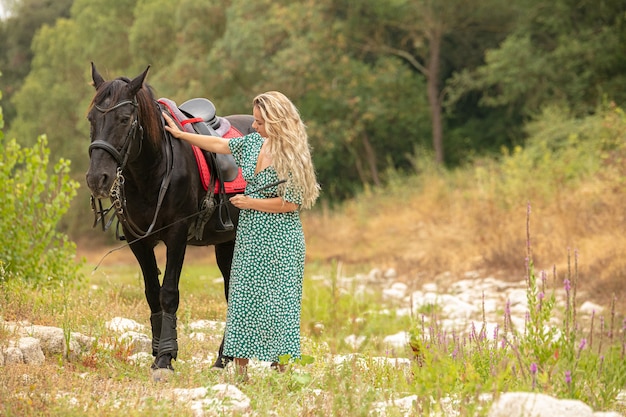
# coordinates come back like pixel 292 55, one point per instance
pixel 149 112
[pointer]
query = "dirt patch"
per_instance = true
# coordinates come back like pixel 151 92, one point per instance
pixel 122 255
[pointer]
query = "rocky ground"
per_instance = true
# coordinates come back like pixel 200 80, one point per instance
pixel 463 304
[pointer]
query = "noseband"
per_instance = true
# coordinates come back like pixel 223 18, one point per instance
pixel 121 156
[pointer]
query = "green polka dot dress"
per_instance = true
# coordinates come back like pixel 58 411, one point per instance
pixel 265 294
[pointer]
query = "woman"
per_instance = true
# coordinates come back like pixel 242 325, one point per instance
pixel 265 295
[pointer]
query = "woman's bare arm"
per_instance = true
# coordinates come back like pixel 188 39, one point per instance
pixel 269 205
pixel 208 143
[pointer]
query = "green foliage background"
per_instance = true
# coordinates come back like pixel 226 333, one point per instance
pixel 373 82
pixel 33 202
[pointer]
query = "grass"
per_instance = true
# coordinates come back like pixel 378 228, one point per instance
pixel 444 371
pixel 430 227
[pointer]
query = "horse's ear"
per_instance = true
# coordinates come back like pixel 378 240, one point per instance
pixel 96 77
pixel 136 83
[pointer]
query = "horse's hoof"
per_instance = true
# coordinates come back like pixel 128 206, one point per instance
pixel 162 374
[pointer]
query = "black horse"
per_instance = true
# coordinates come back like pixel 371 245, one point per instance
pixel 156 193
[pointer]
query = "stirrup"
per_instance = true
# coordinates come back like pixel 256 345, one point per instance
pixel 224 224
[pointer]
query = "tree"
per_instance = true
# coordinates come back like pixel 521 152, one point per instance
pixel 416 31
pixel 152 35
pixel 182 72
pixel 56 93
pixel 25 18
pixel 563 52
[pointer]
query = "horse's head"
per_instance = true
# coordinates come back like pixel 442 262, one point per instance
pixel 115 115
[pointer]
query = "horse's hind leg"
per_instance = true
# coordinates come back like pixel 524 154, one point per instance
pixel 224 258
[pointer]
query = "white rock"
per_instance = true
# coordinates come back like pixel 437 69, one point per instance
pixel 200 337
pixel 421 299
pixel 140 358
pixel 526 404
pixel 375 274
pixel 354 341
pixel 120 324
pixel 406 405
pixel 390 273
pixel 137 342
pixel 399 339
pixel 13 355
pixel 230 394
pixel 351 357
pixel 52 338
pixel 518 297
pixel 31 351
pixel 453 308
pixel 188 394
pixel 589 308
pixel 396 291
pixel 207 325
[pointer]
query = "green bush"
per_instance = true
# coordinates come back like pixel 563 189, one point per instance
pixel 33 201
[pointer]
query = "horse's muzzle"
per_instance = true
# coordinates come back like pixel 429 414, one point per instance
pixel 100 185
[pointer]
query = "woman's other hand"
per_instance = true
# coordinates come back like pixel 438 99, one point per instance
pixel 241 201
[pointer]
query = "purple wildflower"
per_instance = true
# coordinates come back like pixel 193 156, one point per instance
pixel 583 342
pixel 567 285
pixel 568 377
pixel 533 371
pixel 540 295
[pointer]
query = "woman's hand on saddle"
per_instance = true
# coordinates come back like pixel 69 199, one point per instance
pixel 208 143
pixel 171 126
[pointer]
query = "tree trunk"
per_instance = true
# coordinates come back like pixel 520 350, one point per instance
pixel 432 86
pixel 370 156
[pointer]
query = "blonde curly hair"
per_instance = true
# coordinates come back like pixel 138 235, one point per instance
pixel 288 145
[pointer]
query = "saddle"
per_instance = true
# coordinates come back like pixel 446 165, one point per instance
pixel 198 115
pixel 201 113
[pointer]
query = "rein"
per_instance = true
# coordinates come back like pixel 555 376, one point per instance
pixel 177 221
pixel 118 195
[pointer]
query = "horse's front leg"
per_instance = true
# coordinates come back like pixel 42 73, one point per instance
pixel 169 299
pixel 144 253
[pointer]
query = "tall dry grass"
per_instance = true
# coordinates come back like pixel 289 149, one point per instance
pixel 572 175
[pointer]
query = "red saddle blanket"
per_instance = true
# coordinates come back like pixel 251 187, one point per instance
pixel 238 185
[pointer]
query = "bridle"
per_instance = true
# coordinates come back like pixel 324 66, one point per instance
pixel 122 155
pixel 117 193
